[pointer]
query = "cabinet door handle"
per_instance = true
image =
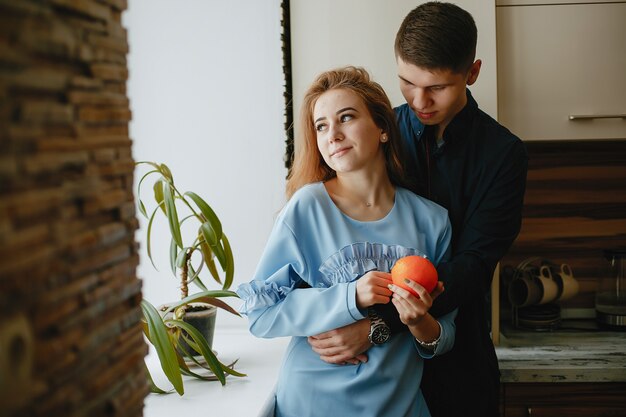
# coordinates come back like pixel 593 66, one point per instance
pixel 596 116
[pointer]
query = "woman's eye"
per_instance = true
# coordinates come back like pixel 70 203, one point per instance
pixel 346 117
pixel 319 127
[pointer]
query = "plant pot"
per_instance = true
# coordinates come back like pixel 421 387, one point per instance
pixel 200 316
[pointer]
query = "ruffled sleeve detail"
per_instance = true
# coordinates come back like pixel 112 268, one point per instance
pixel 352 261
pixel 264 293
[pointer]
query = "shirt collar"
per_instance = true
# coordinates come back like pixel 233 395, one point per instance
pixel 457 126
pixel 416 126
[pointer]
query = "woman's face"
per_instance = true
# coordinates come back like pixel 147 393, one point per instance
pixel 347 136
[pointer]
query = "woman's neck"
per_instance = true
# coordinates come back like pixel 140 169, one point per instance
pixel 362 197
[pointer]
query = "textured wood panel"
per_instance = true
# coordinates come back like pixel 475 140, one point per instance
pixel 70 336
pixel 574 208
pixel 564 399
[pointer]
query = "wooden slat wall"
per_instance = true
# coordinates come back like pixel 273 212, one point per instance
pixel 574 207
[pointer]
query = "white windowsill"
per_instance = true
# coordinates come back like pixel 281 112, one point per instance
pixel 260 359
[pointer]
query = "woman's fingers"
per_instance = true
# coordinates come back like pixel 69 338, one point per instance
pixel 437 291
pixel 421 291
pixel 380 285
pixel 372 288
pixel 379 280
pixel 422 301
pixel 410 308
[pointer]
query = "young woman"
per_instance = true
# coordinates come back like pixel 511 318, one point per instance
pixel 346 223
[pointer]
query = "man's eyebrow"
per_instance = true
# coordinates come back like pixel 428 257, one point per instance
pixel 445 84
pixel 337 112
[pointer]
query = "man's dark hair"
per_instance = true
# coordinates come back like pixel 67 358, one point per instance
pixel 437 35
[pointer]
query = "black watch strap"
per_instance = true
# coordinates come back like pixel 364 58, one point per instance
pixel 390 315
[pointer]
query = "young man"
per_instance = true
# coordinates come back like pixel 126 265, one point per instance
pixel 468 163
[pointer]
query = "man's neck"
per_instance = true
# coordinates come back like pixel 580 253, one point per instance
pixel 444 124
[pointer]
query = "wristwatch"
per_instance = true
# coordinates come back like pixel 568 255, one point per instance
pixel 379 331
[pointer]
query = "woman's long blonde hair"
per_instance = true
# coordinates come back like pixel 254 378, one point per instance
pixel 308 165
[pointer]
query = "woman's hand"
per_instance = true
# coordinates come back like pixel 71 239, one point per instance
pixel 344 345
pixel 413 309
pixel 372 288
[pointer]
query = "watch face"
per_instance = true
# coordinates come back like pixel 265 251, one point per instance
pixel 380 334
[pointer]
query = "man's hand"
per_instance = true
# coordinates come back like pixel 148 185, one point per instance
pixel 343 345
pixel 372 288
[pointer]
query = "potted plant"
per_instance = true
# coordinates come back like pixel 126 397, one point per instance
pixel 182 332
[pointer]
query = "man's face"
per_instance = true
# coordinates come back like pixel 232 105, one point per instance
pixel 435 96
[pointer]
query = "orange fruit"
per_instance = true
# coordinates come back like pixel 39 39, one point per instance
pixel 415 268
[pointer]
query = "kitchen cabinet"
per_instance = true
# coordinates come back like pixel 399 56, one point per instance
pixel 561 68
pixel 563 399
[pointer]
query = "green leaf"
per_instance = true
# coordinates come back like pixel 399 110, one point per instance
pixel 207 258
pixel 146 330
pixel 166 172
pixel 163 346
pixel 218 303
pixel 199 283
pixel 230 264
pixel 181 258
pixel 208 213
pixel 172 215
pixel 152 164
pixel 148 238
pixel 158 194
pixel 214 243
pixel 194 276
pixel 204 348
pixel 142 207
pixel 229 369
pixel 208 297
pixel 153 387
pixel 173 252
pixel 226 368
pixel 195 348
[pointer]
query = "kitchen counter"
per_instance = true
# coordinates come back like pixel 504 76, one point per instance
pixel 562 356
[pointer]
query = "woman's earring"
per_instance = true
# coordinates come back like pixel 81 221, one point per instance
pixel 383 138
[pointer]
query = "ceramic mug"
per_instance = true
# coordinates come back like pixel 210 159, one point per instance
pixel 568 286
pixel 524 291
pixel 531 288
pixel 550 289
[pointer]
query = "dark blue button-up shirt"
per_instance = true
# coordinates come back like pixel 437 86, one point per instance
pixel 479 175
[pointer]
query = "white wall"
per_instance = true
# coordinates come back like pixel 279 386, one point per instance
pixel 331 33
pixel 206 87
